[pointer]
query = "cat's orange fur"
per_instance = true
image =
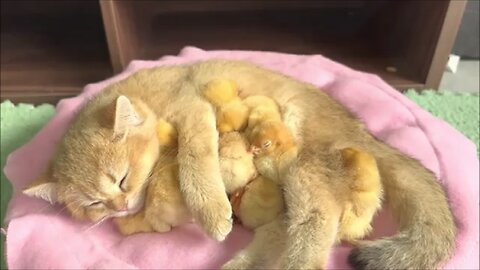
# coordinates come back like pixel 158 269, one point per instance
pixel 95 145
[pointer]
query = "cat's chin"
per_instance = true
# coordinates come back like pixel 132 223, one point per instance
pixel 124 213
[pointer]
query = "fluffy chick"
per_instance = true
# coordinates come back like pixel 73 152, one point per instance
pixel 220 91
pixel 236 163
pixel 231 113
pixel 258 203
pixel 232 116
pixel 366 194
pixel 274 148
pixel 257 101
pixel 166 133
pixel 261 109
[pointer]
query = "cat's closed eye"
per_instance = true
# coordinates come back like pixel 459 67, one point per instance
pixel 122 182
pixel 95 203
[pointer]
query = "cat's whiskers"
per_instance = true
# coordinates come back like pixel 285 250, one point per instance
pixel 97 223
pixel 43 209
pixel 59 211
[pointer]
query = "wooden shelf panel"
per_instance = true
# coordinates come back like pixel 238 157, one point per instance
pixel 51 49
pixel 146 31
pixel 41 56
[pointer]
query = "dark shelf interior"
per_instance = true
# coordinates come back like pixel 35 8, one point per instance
pixel 41 55
pixel 351 34
pixel 50 48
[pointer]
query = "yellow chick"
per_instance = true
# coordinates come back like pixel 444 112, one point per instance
pixel 261 109
pixel 366 194
pixel 236 163
pixel 257 101
pixel 232 116
pixel 231 113
pixel 166 133
pixel 271 137
pixel 258 203
pixel 274 148
pixel 220 91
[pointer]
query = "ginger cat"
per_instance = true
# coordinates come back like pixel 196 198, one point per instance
pixel 426 234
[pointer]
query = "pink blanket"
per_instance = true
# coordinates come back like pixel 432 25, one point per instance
pixel 43 236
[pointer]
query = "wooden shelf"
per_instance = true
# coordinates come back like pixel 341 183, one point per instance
pixel 370 36
pixel 42 58
pixel 51 49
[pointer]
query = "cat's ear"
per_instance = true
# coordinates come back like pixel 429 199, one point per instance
pixel 43 188
pixel 125 117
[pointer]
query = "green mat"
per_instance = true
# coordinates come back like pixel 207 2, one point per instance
pixel 19 124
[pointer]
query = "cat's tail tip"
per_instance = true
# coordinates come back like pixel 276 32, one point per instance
pixel 399 252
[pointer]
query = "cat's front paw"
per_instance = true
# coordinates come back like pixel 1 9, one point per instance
pixel 161 227
pixel 216 217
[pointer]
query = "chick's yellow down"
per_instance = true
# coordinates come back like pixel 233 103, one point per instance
pixel 366 194
pixel 271 137
pixel 260 202
pixel 261 109
pixel 231 113
pixel 236 163
pixel 220 91
pixel 232 116
pixel 166 133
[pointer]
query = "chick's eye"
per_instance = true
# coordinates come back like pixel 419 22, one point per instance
pixel 267 144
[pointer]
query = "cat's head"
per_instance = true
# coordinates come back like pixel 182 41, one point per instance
pixel 102 165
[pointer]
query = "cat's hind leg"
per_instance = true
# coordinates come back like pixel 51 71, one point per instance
pixel 312 217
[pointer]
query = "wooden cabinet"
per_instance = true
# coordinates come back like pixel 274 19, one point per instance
pixel 51 49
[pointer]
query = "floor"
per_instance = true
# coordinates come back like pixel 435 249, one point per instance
pixel 466 79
